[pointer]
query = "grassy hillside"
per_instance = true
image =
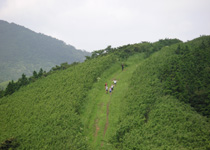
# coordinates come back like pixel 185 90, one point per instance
pixel 23 51
pixel 102 111
pixel 153 119
pixel 45 114
pixel 69 109
pixel 186 74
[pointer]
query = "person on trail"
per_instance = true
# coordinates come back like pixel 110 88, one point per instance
pixel 112 87
pixel 106 89
pixel 122 67
pixel 110 91
pixel 115 82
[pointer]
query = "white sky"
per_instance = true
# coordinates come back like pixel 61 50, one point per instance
pixel 95 24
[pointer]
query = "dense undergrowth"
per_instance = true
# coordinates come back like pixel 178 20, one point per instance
pixel 45 114
pixel 155 114
pixel 13 86
pixel 152 119
pixel 186 74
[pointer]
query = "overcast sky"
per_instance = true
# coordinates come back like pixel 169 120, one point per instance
pixel 95 24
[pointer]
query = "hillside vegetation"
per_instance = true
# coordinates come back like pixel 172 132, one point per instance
pixel 69 109
pixel 186 74
pixel 154 113
pixel 23 51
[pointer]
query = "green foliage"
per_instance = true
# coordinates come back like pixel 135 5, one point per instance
pixel 95 111
pixel 150 113
pixel 150 118
pixel 23 51
pixel 1 93
pixel 41 72
pixel 123 52
pixel 97 53
pixel 46 114
pixel 144 47
pixel 63 66
pixel 15 86
pixel 10 88
pixel 186 74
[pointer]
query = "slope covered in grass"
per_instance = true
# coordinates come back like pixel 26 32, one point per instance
pixel 152 119
pixel 186 74
pixel 70 110
pixel 45 114
pixel 102 111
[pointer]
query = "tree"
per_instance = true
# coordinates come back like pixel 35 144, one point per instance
pixel 97 53
pixel 40 72
pixel 11 87
pixel 64 66
pixel 35 75
pixel 108 49
pixel 202 45
pixel 23 80
pixel 178 50
pixel 87 57
pixel 1 93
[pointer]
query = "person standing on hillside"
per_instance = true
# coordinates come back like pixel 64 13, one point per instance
pixel 106 89
pixel 112 87
pixel 122 66
pixel 110 91
pixel 115 82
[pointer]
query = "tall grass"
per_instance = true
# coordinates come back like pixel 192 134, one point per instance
pixel 153 120
pixel 46 113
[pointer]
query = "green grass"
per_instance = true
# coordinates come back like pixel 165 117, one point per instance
pixel 46 113
pixel 152 120
pixel 65 109
pixel 95 112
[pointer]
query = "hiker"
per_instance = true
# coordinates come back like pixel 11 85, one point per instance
pixel 110 91
pixel 122 67
pixel 112 87
pixel 106 89
pixel 105 85
pixel 115 82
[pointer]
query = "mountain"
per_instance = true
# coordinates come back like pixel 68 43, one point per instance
pixel 161 101
pixel 23 51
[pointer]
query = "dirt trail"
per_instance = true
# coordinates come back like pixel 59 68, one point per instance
pixel 97 128
pixel 96 122
pixel 107 122
pixel 107 118
pixel 103 110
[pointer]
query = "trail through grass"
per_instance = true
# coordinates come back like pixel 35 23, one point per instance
pixel 102 111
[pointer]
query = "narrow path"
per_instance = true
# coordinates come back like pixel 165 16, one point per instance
pixel 102 110
pixel 107 118
pixel 107 122
pixel 97 127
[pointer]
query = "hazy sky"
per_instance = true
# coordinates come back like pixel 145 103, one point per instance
pixel 95 24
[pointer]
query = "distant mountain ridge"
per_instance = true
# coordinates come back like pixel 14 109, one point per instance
pixel 23 51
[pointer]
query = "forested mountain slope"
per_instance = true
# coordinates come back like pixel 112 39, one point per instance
pixel 156 111
pixel 23 51
pixel 69 109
